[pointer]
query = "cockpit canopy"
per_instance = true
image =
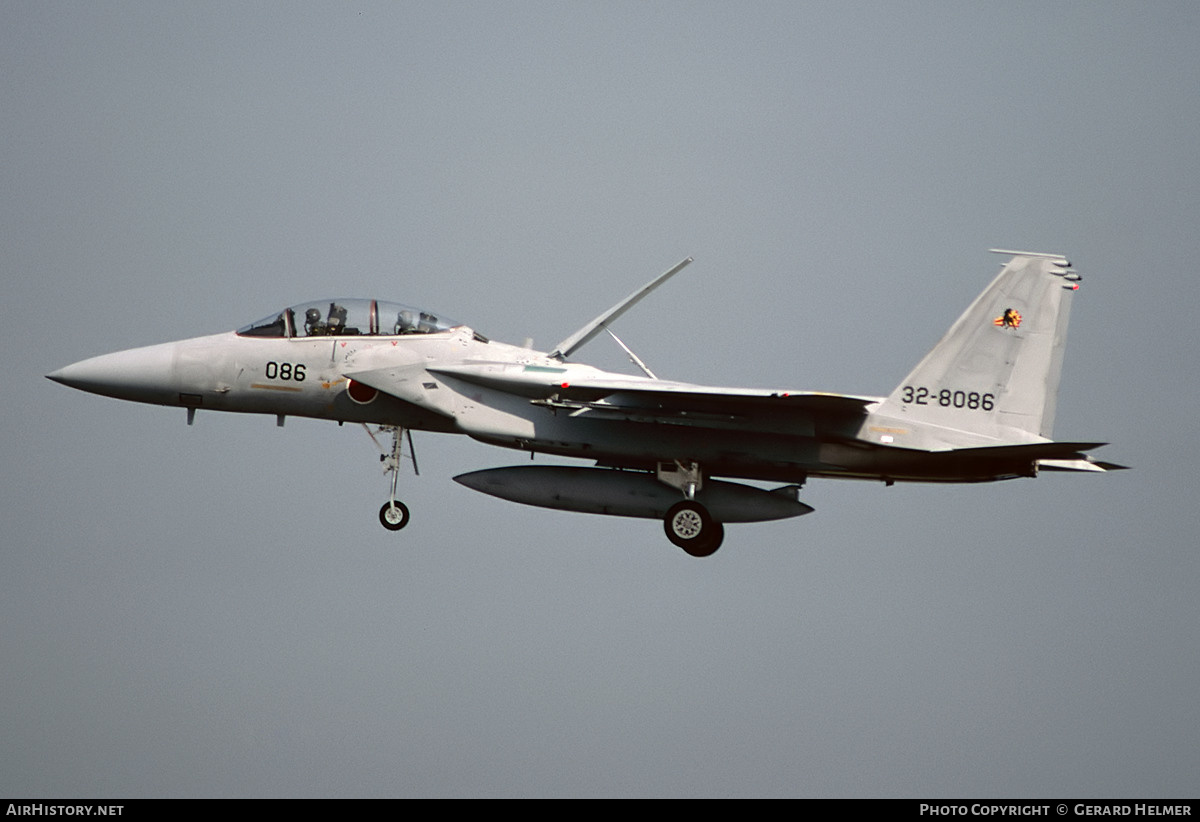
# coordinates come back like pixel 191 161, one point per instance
pixel 348 318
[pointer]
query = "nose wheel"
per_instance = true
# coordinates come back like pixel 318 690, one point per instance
pixel 393 515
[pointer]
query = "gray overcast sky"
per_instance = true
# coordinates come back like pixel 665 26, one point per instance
pixel 215 611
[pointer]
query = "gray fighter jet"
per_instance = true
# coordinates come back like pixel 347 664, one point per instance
pixel 979 407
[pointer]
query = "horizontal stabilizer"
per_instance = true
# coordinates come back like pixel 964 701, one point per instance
pixel 1035 451
pixel 959 464
pixel 1079 465
pixel 1038 456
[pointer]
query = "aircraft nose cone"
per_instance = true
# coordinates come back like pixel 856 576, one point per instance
pixel 60 376
pixel 141 374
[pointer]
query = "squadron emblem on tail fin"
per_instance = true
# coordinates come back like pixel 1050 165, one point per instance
pixel 1011 318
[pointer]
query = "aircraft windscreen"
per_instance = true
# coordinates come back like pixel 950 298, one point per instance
pixel 348 318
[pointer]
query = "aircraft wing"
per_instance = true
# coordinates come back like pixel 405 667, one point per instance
pixel 555 387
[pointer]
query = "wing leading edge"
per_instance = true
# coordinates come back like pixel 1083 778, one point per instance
pixel 663 399
pixel 540 383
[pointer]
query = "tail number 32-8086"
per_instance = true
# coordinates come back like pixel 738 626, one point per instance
pixel 948 398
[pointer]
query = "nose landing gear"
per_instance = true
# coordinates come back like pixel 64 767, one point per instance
pixel 394 513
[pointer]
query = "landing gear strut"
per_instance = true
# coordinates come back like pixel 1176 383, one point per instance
pixel 394 513
pixel 688 523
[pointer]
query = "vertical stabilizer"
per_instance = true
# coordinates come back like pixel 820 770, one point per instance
pixel 995 373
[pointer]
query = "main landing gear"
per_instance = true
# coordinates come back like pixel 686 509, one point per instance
pixel 394 513
pixel 688 523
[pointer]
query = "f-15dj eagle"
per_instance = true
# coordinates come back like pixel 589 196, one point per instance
pixel 979 407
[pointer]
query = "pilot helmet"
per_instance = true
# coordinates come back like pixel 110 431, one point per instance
pixel 312 316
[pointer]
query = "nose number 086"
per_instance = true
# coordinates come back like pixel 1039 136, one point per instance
pixel 284 371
